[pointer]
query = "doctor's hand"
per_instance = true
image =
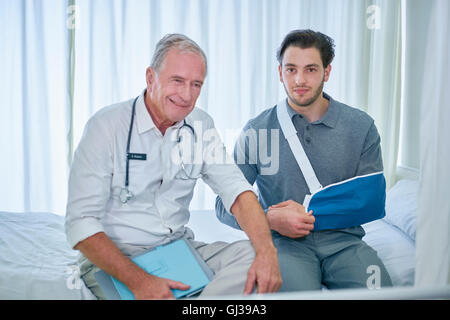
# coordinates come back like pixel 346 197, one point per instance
pixel 290 219
pixel 264 273
pixel 152 288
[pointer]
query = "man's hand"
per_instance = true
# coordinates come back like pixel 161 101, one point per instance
pixel 152 287
pixel 102 252
pixel 264 273
pixel 290 219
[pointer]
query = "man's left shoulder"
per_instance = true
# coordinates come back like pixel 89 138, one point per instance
pixel 353 115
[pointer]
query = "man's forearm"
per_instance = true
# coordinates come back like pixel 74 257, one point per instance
pixel 102 252
pixel 251 218
pixel 264 273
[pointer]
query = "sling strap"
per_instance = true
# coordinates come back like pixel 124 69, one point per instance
pixel 290 133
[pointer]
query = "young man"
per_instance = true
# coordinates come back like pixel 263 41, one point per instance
pixel 128 195
pixel 340 142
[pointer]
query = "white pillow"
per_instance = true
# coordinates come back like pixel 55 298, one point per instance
pixel 394 248
pixel 401 206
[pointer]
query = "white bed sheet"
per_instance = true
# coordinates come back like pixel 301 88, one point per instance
pixel 36 260
pixel 208 228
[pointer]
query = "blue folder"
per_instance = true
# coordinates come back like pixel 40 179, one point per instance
pixel 349 203
pixel 177 261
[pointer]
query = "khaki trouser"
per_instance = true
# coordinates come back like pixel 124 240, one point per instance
pixel 229 261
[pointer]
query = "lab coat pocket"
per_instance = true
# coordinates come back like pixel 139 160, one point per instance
pixel 138 170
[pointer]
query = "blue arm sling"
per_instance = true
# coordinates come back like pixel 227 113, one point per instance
pixel 344 204
pixel 349 203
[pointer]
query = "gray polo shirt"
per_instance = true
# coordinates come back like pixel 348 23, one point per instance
pixel 343 144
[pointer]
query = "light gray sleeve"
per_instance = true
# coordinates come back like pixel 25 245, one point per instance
pixel 219 170
pixel 89 183
pixel 245 159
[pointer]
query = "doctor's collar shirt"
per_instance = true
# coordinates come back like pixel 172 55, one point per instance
pixel 159 209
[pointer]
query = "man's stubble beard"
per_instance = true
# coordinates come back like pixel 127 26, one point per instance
pixel 316 95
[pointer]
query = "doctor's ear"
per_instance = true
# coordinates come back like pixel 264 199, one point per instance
pixel 150 76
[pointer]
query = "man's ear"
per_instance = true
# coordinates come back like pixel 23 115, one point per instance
pixel 327 71
pixel 280 72
pixel 150 77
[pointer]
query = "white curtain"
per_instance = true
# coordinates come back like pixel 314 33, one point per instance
pixel 383 81
pixel 416 19
pixel 113 44
pixel 433 222
pixel 33 105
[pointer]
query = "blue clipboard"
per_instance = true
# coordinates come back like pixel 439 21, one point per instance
pixel 177 260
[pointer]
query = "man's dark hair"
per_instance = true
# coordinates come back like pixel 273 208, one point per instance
pixel 308 39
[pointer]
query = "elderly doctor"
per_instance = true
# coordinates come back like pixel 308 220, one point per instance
pixel 119 205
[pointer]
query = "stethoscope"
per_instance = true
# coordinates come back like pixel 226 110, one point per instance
pixel 125 193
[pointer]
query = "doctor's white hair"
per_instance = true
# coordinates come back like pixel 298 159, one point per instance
pixel 178 41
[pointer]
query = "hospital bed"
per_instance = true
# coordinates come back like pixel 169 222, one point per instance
pixel 36 261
